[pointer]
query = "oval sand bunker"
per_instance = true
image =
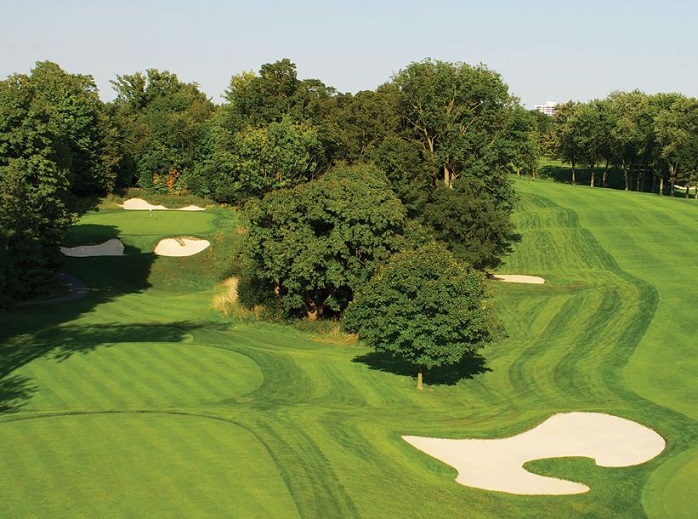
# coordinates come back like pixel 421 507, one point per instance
pixel 517 278
pixel 138 204
pixel 498 464
pixel 178 247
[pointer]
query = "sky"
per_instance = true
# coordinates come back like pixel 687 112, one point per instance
pixel 543 50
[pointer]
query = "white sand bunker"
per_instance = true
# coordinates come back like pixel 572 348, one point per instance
pixel 515 278
pixel 138 204
pixel 498 464
pixel 112 247
pixel 179 247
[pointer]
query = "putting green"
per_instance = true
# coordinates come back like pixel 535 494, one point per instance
pixel 137 465
pixel 138 375
pixel 140 229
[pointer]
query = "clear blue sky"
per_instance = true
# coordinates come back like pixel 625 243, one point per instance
pixel 544 50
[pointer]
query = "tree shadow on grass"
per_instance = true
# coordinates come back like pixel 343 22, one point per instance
pixel 37 328
pixel 60 343
pixel 448 375
pixel 15 391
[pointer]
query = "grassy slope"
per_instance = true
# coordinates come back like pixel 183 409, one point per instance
pixel 654 239
pixel 192 413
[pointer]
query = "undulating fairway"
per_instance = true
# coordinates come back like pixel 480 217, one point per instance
pixel 140 400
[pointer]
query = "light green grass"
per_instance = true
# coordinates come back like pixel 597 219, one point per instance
pixel 610 331
pixel 137 465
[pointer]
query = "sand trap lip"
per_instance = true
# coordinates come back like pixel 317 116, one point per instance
pixel 178 247
pixel 516 278
pixel 138 204
pixel 498 464
pixel 113 247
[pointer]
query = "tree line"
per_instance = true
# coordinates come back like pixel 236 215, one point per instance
pixel 650 140
pixel 443 136
pixel 338 189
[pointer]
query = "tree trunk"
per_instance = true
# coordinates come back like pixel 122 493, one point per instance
pixel 420 376
pixel 661 186
pixel 313 310
pixel 626 177
pixel 574 176
pixel 591 182
pixel 604 180
pixel 447 177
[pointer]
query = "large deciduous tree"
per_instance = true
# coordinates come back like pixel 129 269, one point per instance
pixel 34 186
pixel 255 161
pixel 425 307
pixel 466 124
pixel 458 113
pixel 79 118
pixel 162 124
pixel 316 244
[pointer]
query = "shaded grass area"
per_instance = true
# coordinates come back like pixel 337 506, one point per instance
pixel 216 417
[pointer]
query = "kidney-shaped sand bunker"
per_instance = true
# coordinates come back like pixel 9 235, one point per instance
pixel 179 247
pixel 498 464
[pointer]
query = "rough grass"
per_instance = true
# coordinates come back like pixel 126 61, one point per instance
pixel 142 400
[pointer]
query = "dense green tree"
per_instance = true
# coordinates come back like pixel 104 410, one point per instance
pixel 259 99
pixel 458 113
pixel 590 129
pixel 472 221
pixel 407 171
pixel 363 121
pixel 316 244
pixel 34 187
pixel 632 133
pixel 522 142
pixel 255 161
pixel 676 129
pixel 425 307
pixel 161 124
pixel 562 144
pixel 79 118
pixel 466 124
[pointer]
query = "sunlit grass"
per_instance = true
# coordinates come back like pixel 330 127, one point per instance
pixel 143 400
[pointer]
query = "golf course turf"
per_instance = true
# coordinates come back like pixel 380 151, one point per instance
pixel 140 400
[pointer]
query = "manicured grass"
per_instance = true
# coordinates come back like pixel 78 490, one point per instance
pixel 155 405
pixel 137 465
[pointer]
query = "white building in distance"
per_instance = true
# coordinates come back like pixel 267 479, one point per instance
pixel 548 108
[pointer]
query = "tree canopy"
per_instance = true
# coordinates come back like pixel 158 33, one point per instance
pixel 317 243
pixel 426 307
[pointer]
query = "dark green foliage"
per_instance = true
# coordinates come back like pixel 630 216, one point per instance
pixel 406 169
pixel 425 307
pixel 473 221
pixel 255 161
pixel 471 136
pixel 161 123
pixel 317 243
pixel 79 120
pixel 34 187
